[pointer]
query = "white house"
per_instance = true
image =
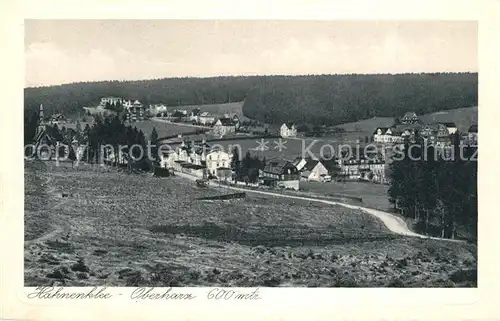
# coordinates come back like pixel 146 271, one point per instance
pixel 387 135
pixel 158 108
pixel 288 130
pixel 205 118
pixel 314 170
pixel 224 126
pixel 218 159
pixel 451 127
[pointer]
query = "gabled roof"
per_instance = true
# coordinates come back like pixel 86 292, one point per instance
pixel 410 115
pixel 383 129
pixel 289 125
pixel 277 166
pixel 311 163
pixel 226 121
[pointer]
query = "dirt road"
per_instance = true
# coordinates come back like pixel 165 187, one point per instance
pixel 392 222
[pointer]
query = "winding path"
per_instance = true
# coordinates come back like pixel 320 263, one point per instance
pixel 394 223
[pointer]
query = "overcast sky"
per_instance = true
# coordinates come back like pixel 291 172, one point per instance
pixel 64 51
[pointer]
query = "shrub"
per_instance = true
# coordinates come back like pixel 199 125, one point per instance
pixel 80 266
pixel 346 282
pixel 396 283
pixel 464 275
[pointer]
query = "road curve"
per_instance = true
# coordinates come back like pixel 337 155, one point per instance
pixel 394 223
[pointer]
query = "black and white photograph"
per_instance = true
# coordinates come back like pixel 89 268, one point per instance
pixel 251 153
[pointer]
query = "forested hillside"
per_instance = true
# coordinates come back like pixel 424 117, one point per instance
pixel 321 99
pixel 337 99
pixel 72 98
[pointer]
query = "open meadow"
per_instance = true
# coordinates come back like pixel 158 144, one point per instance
pixel 163 129
pixel 101 227
pixel 462 117
pixel 373 195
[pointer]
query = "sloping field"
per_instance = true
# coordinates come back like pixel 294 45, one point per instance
pixel 120 229
pixel 163 129
pixel 462 117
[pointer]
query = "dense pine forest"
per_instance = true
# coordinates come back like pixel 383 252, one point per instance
pixel 438 193
pixel 320 99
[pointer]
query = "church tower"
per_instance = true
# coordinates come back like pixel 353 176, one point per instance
pixel 41 123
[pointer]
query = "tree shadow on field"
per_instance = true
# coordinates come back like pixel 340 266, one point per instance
pixel 266 235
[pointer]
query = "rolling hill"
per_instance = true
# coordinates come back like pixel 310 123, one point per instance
pixel 314 99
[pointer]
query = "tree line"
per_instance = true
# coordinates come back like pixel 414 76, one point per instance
pixel 438 193
pixel 315 99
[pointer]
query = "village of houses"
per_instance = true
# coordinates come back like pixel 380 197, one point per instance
pixel 193 154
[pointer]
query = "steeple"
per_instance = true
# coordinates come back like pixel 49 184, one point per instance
pixel 41 123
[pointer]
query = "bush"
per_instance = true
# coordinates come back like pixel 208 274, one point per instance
pixel 346 282
pixel 80 266
pixel 396 283
pixel 462 275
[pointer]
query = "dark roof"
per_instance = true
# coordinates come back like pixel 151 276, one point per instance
pixel 473 129
pixel 410 114
pixel 277 166
pixel 226 121
pixel 311 163
pixel 192 166
pixel 289 124
pixel 384 129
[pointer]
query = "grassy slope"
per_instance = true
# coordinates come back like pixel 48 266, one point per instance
pixel 463 118
pixel 373 195
pixel 163 129
pixel 138 230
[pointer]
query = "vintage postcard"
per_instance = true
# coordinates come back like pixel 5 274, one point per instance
pixel 234 164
